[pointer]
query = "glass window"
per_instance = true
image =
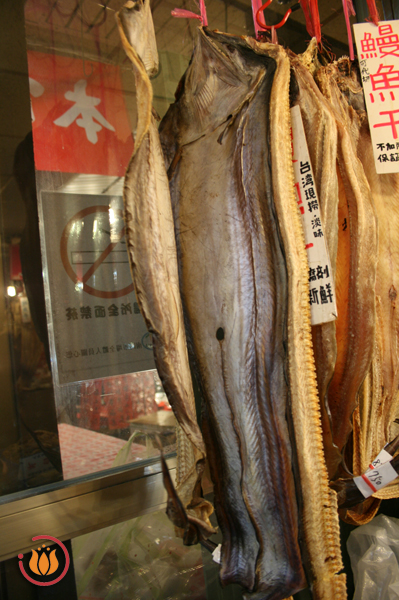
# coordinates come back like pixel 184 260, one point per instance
pixel 78 377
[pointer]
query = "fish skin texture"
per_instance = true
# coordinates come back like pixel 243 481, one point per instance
pixel 356 267
pixel 218 209
pixel 321 136
pixel 154 267
pixel 319 503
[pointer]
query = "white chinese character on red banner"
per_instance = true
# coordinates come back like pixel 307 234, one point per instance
pixel 36 89
pixel 85 106
pixel 388 43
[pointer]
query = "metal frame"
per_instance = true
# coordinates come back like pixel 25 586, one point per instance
pixel 79 508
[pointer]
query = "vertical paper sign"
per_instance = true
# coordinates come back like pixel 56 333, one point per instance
pixel 378 52
pixel 322 299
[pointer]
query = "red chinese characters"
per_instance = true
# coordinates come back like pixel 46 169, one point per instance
pixel 391 122
pixel 385 44
pixel 386 78
pixel 378 49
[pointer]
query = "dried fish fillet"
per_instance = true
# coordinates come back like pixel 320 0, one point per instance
pixel 378 403
pixel 321 136
pixel 153 259
pixel 356 267
pixel 319 510
pixel 234 290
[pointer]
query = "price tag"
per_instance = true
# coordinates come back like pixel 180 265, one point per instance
pixel 378 53
pixel 322 299
pixel 381 459
pixel 375 479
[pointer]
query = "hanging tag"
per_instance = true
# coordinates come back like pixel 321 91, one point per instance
pixel 322 299
pixel 381 459
pixel 378 53
pixel 216 554
pixel 375 479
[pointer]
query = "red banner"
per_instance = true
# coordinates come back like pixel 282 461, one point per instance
pixel 15 263
pixel 80 122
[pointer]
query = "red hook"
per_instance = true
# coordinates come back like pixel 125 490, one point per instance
pixel 283 20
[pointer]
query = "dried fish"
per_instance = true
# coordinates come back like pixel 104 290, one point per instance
pixel 378 400
pixel 319 503
pixel 321 136
pixel 153 259
pixel 243 278
pixel 356 267
pixel 234 290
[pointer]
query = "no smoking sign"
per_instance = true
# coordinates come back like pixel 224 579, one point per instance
pixel 93 252
pixel 96 323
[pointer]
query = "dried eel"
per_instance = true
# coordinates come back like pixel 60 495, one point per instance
pixel 378 403
pixel 233 287
pixel 319 511
pixel 153 258
pixel 356 268
pixel 321 136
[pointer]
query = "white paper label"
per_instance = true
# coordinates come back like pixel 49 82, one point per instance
pixel 375 479
pixel 216 554
pixel 323 307
pixel 381 459
pixel 32 465
pixel 378 52
pixel 25 310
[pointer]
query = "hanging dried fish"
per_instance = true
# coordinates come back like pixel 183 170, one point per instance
pixel 321 136
pixel 243 277
pixel 356 267
pixel 378 400
pixel 234 289
pixel 152 253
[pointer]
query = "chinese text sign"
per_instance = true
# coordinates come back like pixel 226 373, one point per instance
pixel 323 307
pixel 378 52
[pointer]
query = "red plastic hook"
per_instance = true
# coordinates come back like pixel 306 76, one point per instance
pixel 283 20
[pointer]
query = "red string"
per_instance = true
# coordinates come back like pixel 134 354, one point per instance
pixel 308 19
pixel 314 12
pixel 203 13
pixel 349 11
pixel 182 13
pixel 373 11
pixel 256 4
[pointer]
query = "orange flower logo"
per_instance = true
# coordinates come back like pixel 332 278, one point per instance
pixel 44 562
pixel 42 565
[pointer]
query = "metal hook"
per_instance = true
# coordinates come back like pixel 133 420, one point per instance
pixel 293 8
pixel 103 11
